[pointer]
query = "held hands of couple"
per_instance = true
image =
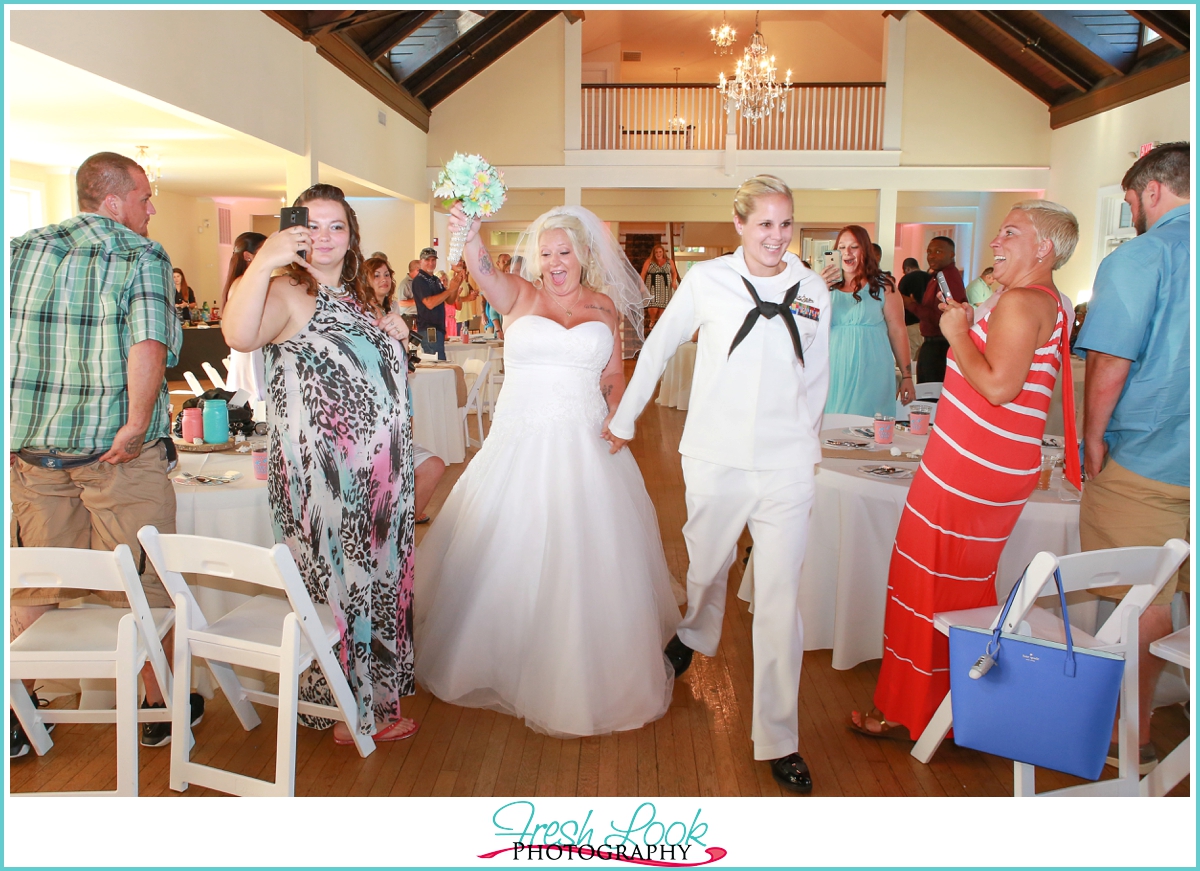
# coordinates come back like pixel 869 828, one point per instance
pixel 957 319
pixel 614 442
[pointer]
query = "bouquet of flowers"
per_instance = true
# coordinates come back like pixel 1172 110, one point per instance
pixel 479 186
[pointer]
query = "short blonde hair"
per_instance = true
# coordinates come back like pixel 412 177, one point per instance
pixel 590 270
pixel 1053 222
pixel 759 186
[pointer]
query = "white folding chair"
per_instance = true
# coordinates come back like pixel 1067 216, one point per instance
pixel 213 375
pixel 928 391
pixel 89 642
pixel 267 632
pixel 479 369
pixel 1146 569
pixel 1175 648
pixel 194 383
pixel 495 378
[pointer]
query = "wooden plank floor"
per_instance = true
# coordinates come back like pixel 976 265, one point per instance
pixel 700 748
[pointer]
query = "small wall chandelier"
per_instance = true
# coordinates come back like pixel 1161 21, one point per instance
pixel 753 91
pixel 153 169
pixel 676 122
pixel 723 37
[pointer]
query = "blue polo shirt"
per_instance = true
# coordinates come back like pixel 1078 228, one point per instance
pixel 424 286
pixel 1141 310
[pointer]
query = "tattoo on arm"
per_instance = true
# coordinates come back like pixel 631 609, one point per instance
pixel 485 262
pixel 606 391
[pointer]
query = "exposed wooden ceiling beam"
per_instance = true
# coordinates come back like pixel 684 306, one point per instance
pixel 394 33
pixel 1171 25
pixel 1114 61
pixel 323 20
pixel 459 51
pixel 898 14
pixel 1168 74
pixel 1080 79
pixel 953 24
pixel 351 61
pixel 574 15
pixel 474 59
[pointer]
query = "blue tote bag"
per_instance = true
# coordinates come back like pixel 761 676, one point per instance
pixel 1040 702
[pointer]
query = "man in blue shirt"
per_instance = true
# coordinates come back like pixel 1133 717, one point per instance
pixel 1136 424
pixel 430 297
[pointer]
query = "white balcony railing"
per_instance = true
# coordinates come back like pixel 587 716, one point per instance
pixel 816 117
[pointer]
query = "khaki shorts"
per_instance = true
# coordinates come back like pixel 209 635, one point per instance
pixel 915 340
pixel 97 506
pixel 1122 509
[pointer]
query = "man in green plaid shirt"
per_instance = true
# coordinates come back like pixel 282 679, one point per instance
pixel 93 329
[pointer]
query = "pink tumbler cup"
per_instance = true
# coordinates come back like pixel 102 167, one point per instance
pixel 918 420
pixel 883 430
pixel 260 463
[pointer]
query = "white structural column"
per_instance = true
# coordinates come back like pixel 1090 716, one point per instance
pixel 572 195
pixel 885 229
pixel 731 150
pixel 303 170
pixel 572 84
pixel 893 99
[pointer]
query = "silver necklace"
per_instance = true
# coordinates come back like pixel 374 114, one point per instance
pixel 578 295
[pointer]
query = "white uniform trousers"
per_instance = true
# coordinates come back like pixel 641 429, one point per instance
pixel 776 505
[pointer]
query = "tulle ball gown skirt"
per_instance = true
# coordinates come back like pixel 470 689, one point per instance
pixel 541 587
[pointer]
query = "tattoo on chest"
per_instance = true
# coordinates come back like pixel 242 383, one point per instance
pixel 485 262
pixel 599 308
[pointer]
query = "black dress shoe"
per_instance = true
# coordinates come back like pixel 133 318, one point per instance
pixel 791 772
pixel 679 654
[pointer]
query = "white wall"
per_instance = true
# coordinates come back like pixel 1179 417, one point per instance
pixel 512 112
pixel 1095 153
pixel 959 110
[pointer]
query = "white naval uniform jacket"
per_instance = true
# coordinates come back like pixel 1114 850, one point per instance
pixel 758 408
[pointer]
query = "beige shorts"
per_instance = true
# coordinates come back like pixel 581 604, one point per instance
pixel 97 506
pixel 1120 508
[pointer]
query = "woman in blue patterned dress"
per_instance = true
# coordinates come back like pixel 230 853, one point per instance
pixel 867 337
pixel 341 460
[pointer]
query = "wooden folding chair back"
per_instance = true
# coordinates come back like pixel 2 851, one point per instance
pixel 283 635
pixel 89 643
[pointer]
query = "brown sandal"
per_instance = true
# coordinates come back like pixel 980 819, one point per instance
pixel 893 731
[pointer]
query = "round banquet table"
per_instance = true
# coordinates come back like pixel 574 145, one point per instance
pixel 437 419
pixel 675 389
pixel 843 583
pixel 459 352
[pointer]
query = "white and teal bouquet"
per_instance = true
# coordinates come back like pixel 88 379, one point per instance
pixel 472 181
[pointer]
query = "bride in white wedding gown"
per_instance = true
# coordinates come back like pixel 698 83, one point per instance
pixel 541 587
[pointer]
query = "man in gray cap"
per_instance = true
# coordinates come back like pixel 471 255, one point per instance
pixel 431 298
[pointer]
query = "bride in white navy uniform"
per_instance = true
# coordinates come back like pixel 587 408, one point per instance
pixel 541 587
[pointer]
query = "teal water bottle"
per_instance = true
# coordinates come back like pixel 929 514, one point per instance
pixel 204 312
pixel 216 421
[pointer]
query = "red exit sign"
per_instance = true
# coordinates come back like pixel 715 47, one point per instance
pixel 1145 149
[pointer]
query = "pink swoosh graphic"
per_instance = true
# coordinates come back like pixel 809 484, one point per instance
pixel 715 854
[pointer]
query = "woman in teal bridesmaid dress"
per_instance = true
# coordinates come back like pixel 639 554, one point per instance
pixel 867 338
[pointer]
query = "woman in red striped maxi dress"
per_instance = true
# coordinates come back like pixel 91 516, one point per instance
pixel 980 466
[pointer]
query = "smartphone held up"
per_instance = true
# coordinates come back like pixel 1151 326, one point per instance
pixel 943 288
pixel 833 257
pixel 294 216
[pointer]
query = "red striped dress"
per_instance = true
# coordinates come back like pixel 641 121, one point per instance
pixel 976 474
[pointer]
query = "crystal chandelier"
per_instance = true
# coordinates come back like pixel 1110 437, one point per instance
pixel 676 122
pixel 753 91
pixel 153 170
pixel 723 37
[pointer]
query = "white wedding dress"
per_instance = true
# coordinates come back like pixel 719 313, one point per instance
pixel 541 587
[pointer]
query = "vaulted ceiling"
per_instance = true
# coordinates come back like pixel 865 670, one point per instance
pixel 1078 62
pixel 413 59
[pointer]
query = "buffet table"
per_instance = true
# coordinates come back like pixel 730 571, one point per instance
pixel 200 345
pixel 843 587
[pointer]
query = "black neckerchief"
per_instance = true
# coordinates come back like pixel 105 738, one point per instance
pixel 768 310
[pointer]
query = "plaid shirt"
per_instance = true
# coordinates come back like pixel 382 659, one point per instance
pixel 82 293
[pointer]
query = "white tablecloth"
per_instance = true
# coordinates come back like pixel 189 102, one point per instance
pixel 843 584
pixel 237 511
pixel 457 352
pixel 437 421
pixel 675 389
